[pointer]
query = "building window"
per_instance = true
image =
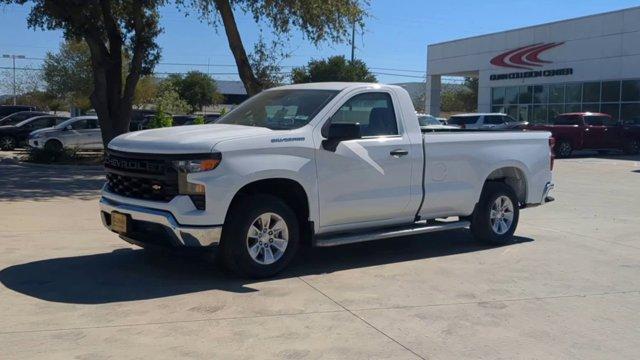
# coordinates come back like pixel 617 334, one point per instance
pixel 556 94
pixel 591 107
pixel 525 95
pixel 591 92
pixel 511 95
pixel 555 110
pixel 631 90
pixel 497 95
pixel 630 113
pixel 540 94
pixel 611 91
pixel 573 93
pixel 611 109
pixel 539 114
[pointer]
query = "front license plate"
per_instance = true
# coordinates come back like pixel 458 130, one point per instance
pixel 119 222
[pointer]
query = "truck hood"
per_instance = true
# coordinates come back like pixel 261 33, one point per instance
pixel 183 139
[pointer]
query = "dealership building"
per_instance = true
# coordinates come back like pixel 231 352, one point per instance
pixel 590 63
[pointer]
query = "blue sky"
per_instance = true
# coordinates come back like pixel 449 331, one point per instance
pixel 394 40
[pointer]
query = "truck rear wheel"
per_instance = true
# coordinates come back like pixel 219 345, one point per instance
pixel 632 147
pixel 563 149
pixel 260 237
pixel 496 217
pixel 7 143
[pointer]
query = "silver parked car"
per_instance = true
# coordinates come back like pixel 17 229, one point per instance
pixel 80 132
pixel 430 122
pixel 486 121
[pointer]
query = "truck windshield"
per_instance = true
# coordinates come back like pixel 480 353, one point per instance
pixel 279 109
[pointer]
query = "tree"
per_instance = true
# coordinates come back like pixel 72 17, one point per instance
pixel 67 74
pixel 113 30
pixel 335 68
pixel 26 81
pixel 267 71
pixel 460 97
pixel 146 91
pixel 168 99
pixel 196 88
pixel 318 20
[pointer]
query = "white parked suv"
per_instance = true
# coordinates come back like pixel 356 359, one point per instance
pixel 80 132
pixel 325 163
pixel 483 121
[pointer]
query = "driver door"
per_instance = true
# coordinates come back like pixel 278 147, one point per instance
pixel 366 180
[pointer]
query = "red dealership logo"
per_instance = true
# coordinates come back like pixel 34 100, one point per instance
pixel 526 57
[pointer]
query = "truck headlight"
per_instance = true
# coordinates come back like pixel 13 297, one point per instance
pixel 186 167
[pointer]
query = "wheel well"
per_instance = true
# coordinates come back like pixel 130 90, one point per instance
pixel 290 191
pixel 513 177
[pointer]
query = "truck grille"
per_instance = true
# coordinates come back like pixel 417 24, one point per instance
pixel 141 177
pixel 141 188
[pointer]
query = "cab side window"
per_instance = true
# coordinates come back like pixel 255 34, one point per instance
pixel 493 120
pixel 372 111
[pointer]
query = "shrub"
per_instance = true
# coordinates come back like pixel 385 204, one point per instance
pixel 160 120
pixel 46 156
pixel 199 120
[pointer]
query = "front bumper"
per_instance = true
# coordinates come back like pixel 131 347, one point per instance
pixel 151 227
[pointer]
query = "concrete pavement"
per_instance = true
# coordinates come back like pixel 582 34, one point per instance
pixel 569 289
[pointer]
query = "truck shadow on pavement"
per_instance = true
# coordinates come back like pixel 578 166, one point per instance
pixel 31 182
pixel 130 275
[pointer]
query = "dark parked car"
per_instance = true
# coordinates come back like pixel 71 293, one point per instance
pixel 12 136
pixel 20 117
pixel 590 131
pixel 179 120
pixel 211 118
pixel 6 110
pixel 140 119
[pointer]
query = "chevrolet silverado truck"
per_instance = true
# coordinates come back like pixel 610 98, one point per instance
pixel 325 164
pixel 590 131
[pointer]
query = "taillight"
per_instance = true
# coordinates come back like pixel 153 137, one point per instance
pixel 552 154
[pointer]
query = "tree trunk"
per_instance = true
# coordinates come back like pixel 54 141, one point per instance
pixel 235 44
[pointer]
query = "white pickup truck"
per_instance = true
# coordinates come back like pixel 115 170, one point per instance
pixel 327 164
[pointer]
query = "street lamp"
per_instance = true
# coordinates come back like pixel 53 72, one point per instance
pixel 13 57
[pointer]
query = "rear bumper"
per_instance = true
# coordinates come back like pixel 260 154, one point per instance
pixel 546 198
pixel 158 228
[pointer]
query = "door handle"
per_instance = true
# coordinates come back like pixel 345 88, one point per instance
pixel 399 152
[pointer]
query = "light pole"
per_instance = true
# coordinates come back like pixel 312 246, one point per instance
pixel 14 57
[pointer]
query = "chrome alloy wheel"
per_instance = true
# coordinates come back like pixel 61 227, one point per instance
pixel 267 238
pixel 501 215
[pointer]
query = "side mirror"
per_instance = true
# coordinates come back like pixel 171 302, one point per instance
pixel 340 132
pixel 67 128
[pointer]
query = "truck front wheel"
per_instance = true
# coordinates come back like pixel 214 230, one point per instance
pixel 496 217
pixel 260 237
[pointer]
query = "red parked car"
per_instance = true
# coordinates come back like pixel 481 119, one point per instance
pixel 590 131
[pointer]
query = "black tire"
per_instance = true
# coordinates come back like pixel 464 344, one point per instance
pixel 563 149
pixel 8 143
pixel 53 145
pixel 234 248
pixel 632 147
pixel 481 222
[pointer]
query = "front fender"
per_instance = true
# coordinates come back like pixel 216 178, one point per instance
pixel 237 170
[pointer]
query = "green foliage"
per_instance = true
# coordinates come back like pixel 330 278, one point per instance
pixel 146 91
pixel 223 111
pixel 67 73
pixel 318 20
pixel 160 120
pixel 265 66
pixel 461 98
pixel 169 100
pixel 199 120
pixel 46 156
pixel 196 88
pixel 335 68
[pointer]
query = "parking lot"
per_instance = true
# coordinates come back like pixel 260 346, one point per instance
pixel 570 287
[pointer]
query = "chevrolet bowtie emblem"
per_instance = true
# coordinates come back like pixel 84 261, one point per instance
pixel 156 187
